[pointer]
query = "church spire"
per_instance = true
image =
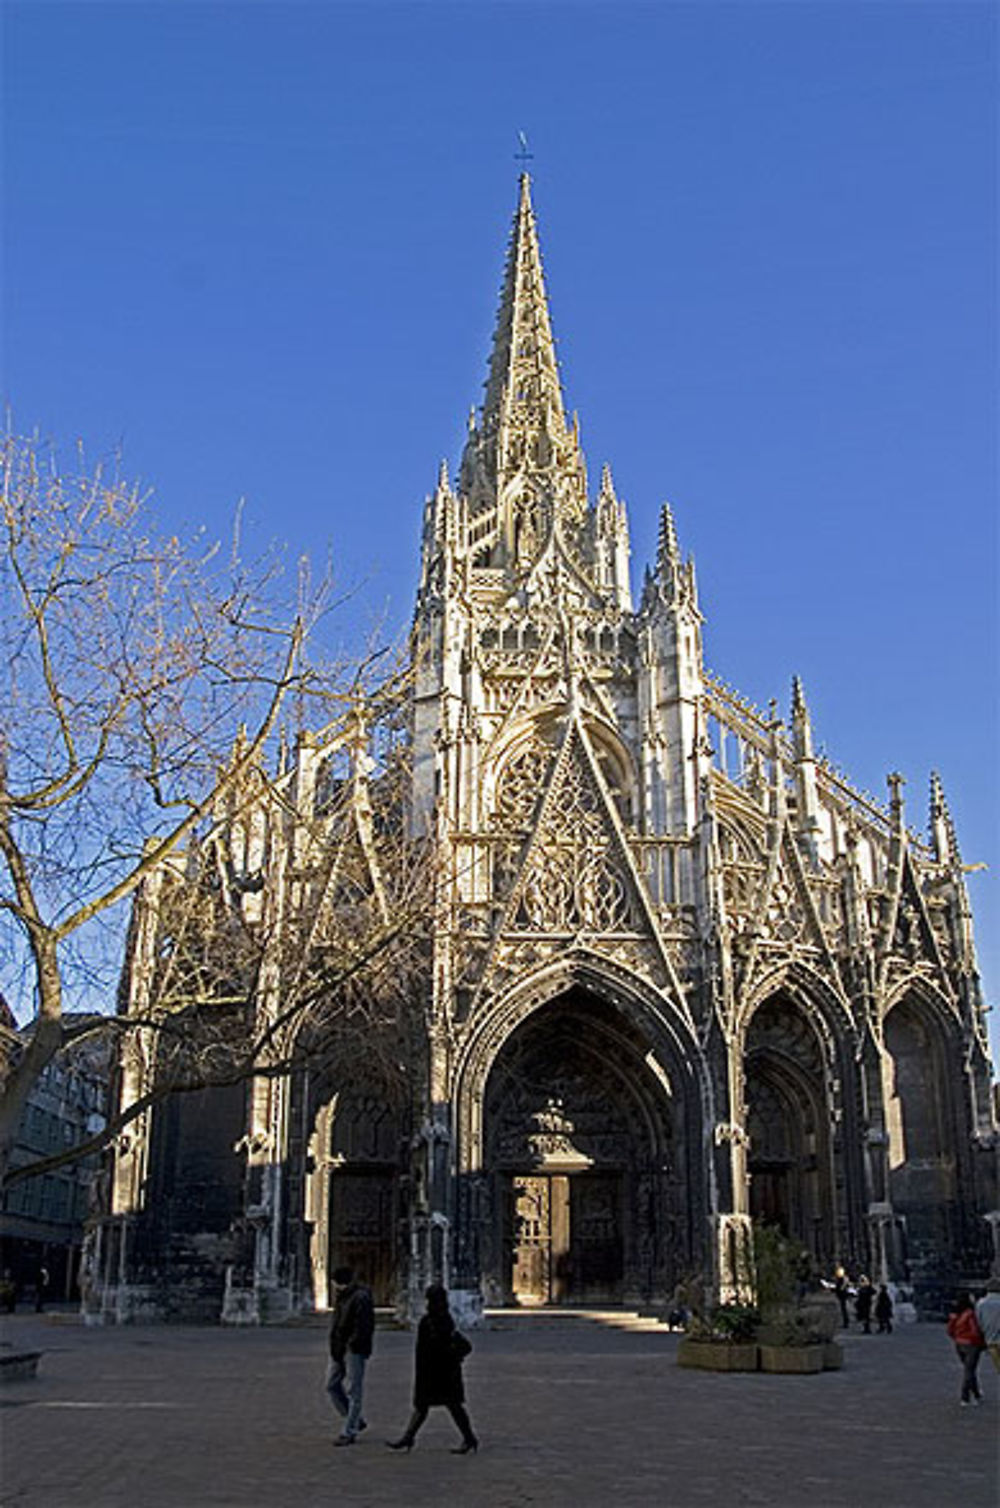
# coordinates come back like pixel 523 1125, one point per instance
pixel 523 384
pixel 522 430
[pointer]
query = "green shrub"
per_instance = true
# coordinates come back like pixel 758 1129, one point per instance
pixel 733 1322
pixel 778 1262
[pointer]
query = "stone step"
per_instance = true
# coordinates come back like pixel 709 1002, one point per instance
pixel 616 1319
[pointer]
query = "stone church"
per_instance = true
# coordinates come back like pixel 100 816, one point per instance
pixel 682 974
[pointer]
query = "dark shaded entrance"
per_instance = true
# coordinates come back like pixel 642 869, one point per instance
pixel 362 1227
pixel 922 1141
pixel 584 1189
pixel 351 1195
pixel 789 1162
pixel 565 1238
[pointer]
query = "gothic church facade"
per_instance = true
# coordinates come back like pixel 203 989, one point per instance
pixel 682 976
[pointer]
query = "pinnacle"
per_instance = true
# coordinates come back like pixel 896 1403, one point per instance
pixel 943 833
pixel 938 802
pixel 668 555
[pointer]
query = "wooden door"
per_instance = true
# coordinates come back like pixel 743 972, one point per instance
pixel 532 1240
pixel 566 1244
pixel 361 1228
pixel 595 1259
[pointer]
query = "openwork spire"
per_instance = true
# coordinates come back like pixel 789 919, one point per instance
pixel 522 432
pixel 522 391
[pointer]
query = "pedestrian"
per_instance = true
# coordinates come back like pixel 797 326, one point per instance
pixel 41 1289
pixel 441 1350
pixel 842 1289
pixel 963 1327
pixel 988 1318
pixel 678 1314
pixel 351 1334
pixel 883 1310
pixel 863 1304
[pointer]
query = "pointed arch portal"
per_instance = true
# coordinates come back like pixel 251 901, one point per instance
pixel 582 1147
pixel 789 1122
pixel 351 1186
pixel 923 1133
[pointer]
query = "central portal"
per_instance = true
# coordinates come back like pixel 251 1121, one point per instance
pixel 582 1195
pixel 565 1238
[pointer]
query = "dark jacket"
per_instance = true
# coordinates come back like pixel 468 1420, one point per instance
pixel 883 1305
pixel 863 1301
pixel 440 1352
pixel 353 1323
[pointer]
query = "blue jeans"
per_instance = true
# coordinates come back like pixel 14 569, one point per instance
pixel 347 1401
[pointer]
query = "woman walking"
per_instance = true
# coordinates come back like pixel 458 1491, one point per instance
pixel 441 1349
pixel 963 1327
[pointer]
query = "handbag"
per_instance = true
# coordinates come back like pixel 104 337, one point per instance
pixel 459 1345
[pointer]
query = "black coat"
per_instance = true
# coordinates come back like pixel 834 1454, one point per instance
pixel 353 1324
pixel 440 1351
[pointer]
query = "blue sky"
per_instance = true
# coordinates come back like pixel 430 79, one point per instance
pixel 259 246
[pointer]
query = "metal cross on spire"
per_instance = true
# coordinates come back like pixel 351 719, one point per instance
pixel 524 156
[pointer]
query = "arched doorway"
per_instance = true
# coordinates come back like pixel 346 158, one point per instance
pixel 352 1193
pixel 788 1122
pixel 922 1140
pixel 582 1153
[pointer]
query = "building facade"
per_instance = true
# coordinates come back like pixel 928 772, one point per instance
pixel 44 1218
pixel 682 974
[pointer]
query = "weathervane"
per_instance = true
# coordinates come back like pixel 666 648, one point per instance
pixel 524 156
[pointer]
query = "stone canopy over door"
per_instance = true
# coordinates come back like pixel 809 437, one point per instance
pixel 583 1192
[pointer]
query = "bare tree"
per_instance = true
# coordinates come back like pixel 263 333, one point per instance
pixel 144 680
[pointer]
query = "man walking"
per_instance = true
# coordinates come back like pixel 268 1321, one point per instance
pixel 988 1315
pixel 351 1334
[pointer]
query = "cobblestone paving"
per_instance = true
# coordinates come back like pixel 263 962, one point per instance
pixel 572 1413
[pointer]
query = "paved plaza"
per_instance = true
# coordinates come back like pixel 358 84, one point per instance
pixel 572 1413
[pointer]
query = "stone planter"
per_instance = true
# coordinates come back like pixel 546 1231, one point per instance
pixel 718 1356
pixel 821 1313
pixel 792 1359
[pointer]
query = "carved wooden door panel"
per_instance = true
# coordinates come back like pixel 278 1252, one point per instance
pixel 361 1228
pixel 532 1240
pixel 595 1244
